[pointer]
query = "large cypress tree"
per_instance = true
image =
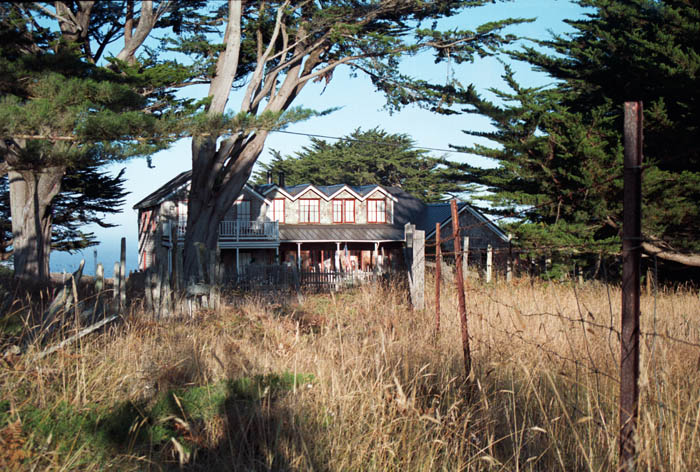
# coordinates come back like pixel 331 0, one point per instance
pixel 87 195
pixel 560 150
pixel 65 110
pixel 273 49
pixel 365 158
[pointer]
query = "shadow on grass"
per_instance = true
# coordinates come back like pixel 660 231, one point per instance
pixel 230 425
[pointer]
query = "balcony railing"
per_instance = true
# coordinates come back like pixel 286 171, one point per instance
pixel 235 230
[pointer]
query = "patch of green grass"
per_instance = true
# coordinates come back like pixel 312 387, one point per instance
pixel 4 413
pixel 99 432
pixel 203 402
pixel 95 431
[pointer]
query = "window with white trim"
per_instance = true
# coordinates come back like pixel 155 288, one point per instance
pixel 344 211
pixel 309 211
pixel 376 211
pixel 278 210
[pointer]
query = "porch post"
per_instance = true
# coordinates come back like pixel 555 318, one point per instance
pixel 277 255
pixel 299 256
pixel 337 256
pixel 376 256
pixel 238 263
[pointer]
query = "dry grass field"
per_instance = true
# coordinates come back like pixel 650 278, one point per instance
pixel 358 381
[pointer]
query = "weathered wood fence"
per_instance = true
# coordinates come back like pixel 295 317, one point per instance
pixel 259 277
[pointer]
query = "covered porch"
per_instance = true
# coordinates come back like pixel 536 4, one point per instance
pixel 343 256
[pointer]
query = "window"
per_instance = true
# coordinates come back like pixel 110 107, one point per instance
pixel 376 211
pixel 148 221
pixel 243 210
pixel 349 211
pixel 309 211
pixel 181 217
pixel 344 211
pixel 278 210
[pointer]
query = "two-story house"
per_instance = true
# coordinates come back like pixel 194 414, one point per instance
pixel 318 228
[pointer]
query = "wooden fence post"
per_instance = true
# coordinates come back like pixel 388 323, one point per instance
pixel 116 284
pixel 99 286
pixel 631 262
pixel 174 274
pixel 489 263
pixel 213 279
pixel 180 275
pixel 148 288
pixel 122 276
pixel 438 261
pixel 164 308
pixel 460 290
pixel 418 270
pixel 99 278
pixel 156 291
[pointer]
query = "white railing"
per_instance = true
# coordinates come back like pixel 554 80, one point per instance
pixel 236 230
pixel 239 230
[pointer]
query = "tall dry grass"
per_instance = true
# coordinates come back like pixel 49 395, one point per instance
pixel 388 393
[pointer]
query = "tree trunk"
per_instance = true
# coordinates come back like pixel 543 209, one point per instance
pixel 214 188
pixel 31 195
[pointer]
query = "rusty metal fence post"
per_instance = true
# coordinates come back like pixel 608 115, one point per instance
pixel 460 289
pixel 631 256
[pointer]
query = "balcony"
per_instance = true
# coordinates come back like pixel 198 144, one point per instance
pixel 249 230
pixel 238 233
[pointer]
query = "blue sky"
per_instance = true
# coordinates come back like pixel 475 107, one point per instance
pixel 359 106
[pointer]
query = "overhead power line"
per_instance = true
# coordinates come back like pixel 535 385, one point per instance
pixel 365 141
pixel 297 133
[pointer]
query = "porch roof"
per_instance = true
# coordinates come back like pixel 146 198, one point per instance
pixel 340 233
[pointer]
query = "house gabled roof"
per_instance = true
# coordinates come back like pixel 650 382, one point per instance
pixel 161 194
pixel 327 192
pixel 442 213
pixel 176 184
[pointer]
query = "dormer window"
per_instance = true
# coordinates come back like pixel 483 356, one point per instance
pixel 278 210
pixel 376 211
pixel 344 211
pixel 309 210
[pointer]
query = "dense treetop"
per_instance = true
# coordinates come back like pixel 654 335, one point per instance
pixel 365 158
pixel 561 151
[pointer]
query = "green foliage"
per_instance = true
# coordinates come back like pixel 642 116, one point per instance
pixel 560 147
pixel 87 195
pixel 83 112
pixel 372 157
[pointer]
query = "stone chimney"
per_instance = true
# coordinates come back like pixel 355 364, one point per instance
pixel 281 184
pixel 269 177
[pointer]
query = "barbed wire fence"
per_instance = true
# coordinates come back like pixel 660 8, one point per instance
pixel 591 339
pixel 586 334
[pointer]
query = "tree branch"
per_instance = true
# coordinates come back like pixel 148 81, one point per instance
pixel 663 251
pixel 260 66
pixel 146 23
pixel 58 17
pixel 227 63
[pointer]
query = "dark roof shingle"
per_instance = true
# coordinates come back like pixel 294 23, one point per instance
pixel 349 232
